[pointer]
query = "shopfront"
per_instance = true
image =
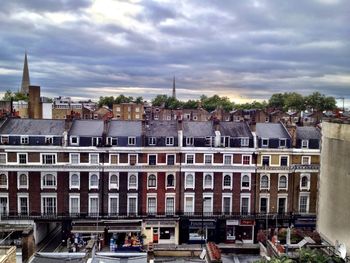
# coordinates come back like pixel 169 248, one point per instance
pixel 244 231
pixel 201 230
pixel 161 231
pixel 231 230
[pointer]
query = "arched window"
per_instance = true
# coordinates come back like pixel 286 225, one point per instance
pixel 170 180
pixel 74 180
pixel 132 181
pixel 3 180
pixel 245 181
pixel 282 182
pixel 113 181
pixel 49 180
pixel 94 181
pixel 264 182
pixel 152 180
pixel 23 180
pixel 208 181
pixel 189 181
pixel 304 182
pixel 227 180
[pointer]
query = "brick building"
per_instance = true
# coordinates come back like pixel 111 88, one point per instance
pixel 164 179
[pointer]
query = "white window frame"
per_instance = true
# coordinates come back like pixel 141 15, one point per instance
pixel 231 159
pixel 7 180
pixel 268 182
pixel 170 195
pixel 211 156
pixel 74 196
pixel 25 154
pixel 71 158
pixel 19 196
pixel 267 196
pixel 25 139
pixel 5 139
pixel 113 196
pixel 46 154
pixel 137 181
pixel 169 141
pixel 245 195
pixel 47 195
pixel 151 195
pixel 262 142
pixel 211 186
pixel 166 181
pixel 308 160
pixel 285 143
pixel 130 196
pixel 278 202
pixel 152 187
pixel 262 159
pixel 48 140
pixel 110 158
pixel 112 141
pixel 148 158
pixel 5 158
pixel 94 196
pixel 305 144
pixel 191 195
pixel 19 186
pixel 131 140
pixel 308 176
pixel 169 154
pixel 250 159
pixel 94 154
pixel 194 181
pixel 96 141
pixel 42 180
pixel 189 141
pixel 279 178
pixel 307 204
pixel 71 141
pixel 244 141
pixel 250 181
pixel 190 154
pixel 226 195
pixel 110 186
pixel 211 196
pixel 5 195
pixel 98 180
pixel 280 159
pixel 70 180
pixel 152 140
pixel 223 181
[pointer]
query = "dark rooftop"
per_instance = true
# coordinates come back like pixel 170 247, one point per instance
pixel 308 132
pixel 87 128
pixel 33 127
pixel 162 128
pixel 124 128
pixel 271 130
pixel 235 129
pixel 198 129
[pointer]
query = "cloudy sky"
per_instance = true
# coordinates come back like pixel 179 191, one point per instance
pixel 241 49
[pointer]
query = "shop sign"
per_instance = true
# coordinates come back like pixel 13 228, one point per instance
pixel 232 222
pixel 247 222
pixel 162 223
pixel 206 224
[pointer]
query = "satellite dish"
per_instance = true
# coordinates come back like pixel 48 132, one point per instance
pixel 342 250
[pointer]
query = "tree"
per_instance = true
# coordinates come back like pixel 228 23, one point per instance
pixel 123 99
pixel 159 100
pixel 106 101
pixel 319 102
pixel 139 100
pixel 15 96
pixel 276 100
pixel 190 104
pixel 211 103
pixel 293 101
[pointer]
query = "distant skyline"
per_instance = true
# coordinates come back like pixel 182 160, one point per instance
pixel 245 50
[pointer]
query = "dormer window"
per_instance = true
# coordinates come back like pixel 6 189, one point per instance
pixel 4 139
pixel 283 143
pixel 244 142
pixel 131 140
pixel 74 140
pixel 112 141
pixel 264 142
pixel 96 141
pixel 189 141
pixel 169 141
pixel 24 140
pixel 48 140
pixel 152 141
pixel 305 144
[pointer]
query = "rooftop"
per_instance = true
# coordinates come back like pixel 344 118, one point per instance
pixel 308 132
pixel 161 128
pixel 271 130
pixel 87 128
pixel 235 129
pixel 198 128
pixel 124 128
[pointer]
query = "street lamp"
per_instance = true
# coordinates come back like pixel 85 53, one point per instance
pixel 202 234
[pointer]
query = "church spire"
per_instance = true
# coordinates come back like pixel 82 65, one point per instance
pixel 25 76
pixel 174 91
